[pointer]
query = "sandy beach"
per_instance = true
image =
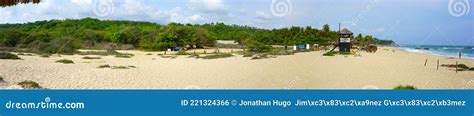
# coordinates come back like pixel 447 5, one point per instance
pixel 385 69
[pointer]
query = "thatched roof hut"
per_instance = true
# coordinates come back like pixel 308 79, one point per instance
pixel 345 31
pixel 5 3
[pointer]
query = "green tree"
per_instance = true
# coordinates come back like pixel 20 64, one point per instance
pixel 255 46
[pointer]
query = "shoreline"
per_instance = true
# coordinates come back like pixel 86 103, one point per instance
pixel 454 56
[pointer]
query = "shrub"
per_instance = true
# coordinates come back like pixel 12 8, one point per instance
pixel 246 53
pixel 255 46
pixel 1 79
pixel 260 56
pixel 281 52
pixel 217 55
pixel 119 67
pixel 65 61
pixel 331 53
pixel 346 53
pixel 461 67
pixel 182 53
pixel 407 87
pixel 100 53
pixel 30 85
pixel 60 45
pixel 104 66
pixel 5 55
pixel 87 57
pixel 124 55
pixel 372 49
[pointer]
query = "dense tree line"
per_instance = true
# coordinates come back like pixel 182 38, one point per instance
pixel 66 36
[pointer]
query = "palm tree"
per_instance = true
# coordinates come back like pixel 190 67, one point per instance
pixel 5 3
pixel 367 40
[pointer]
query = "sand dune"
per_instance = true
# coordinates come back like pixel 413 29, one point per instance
pixel 310 70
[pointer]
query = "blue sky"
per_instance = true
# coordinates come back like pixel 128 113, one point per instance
pixel 428 22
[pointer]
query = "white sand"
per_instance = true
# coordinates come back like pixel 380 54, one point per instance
pixel 383 70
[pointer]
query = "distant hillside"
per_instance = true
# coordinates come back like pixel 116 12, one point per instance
pixel 384 42
pixel 66 36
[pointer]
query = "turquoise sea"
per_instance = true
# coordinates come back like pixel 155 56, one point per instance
pixel 441 50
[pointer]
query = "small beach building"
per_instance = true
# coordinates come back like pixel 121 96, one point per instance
pixel 345 44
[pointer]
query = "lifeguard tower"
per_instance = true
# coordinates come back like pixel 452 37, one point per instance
pixel 345 44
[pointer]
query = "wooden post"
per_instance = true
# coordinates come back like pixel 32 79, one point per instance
pixel 456 66
pixel 204 51
pixel 194 52
pixel 426 61
pixel 437 65
pixel 165 52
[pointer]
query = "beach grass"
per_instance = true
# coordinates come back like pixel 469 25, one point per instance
pixel 181 53
pixel 169 56
pixel 6 55
pixel 65 61
pixel 123 67
pixel 217 56
pixel 104 66
pixel 460 67
pixel 116 67
pixel 1 79
pixel 334 53
pixel 119 67
pixel 194 56
pixel 91 58
pixel 345 53
pixel 405 87
pixel 29 85
pixel 281 52
pixel 124 55
pixel 247 54
pixel 331 53
pixel 260 56
pixel 99 53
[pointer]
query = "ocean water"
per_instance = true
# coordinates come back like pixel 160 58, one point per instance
pixel 441 50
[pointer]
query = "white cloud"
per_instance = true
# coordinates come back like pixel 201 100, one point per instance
pixel 209 6
pixel 194 19
pixel 262 15
pixel 82 2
